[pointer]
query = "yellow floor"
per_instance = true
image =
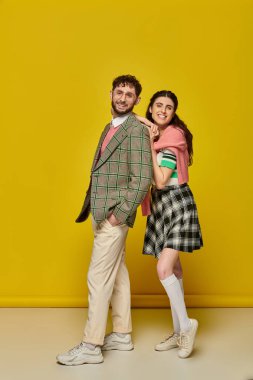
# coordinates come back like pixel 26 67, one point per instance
pixel 31 338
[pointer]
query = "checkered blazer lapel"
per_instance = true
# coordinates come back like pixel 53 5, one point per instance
pixel 96 157
pixel 116 140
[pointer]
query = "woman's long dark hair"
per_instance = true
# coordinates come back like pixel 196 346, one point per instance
pixel 176 121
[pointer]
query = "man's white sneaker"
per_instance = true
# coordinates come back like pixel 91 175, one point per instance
pixel 81 354
pixel 168 343
pixel 186 340
pixel 115 342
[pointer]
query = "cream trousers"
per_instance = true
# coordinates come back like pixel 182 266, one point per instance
pixel 108 282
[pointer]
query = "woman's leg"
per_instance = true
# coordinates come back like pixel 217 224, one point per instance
pixel 178 272
pixel 166 266
pixel 165 269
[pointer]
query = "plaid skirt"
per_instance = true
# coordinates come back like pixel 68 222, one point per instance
pixel 173 222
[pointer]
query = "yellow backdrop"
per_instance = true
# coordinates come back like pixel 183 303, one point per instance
pixel 58 59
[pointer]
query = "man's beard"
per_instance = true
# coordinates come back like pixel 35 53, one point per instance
pixel 119 112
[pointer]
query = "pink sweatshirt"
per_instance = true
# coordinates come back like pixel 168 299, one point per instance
pixel 173 139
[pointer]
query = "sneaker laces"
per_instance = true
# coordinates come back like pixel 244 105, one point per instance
pixel 169 337
pixel 77 349
pixel 183 340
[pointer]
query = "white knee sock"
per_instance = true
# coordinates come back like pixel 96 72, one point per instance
pixel 174 292
pixel 176 325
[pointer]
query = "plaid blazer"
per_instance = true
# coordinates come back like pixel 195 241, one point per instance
pixel 121 176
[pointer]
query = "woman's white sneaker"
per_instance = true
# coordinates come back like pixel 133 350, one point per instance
pixel 186 340
pixel 81 354
pixel 168 343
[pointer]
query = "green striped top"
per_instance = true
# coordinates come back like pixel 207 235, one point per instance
pixel 166 158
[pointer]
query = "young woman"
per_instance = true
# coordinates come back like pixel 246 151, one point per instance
pixel 173 225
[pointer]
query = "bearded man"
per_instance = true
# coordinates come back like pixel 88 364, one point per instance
pixel 120 178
